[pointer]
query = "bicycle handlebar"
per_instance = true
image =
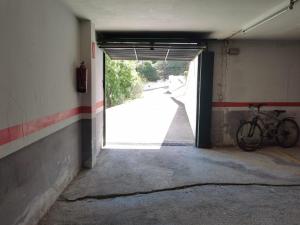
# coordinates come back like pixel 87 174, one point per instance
pixel 257 105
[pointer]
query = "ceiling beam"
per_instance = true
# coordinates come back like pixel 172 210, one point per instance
pixel 151 37
pixel 155 46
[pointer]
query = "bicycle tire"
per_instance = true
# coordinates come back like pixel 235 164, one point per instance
pixel 241 139
pixel 282 133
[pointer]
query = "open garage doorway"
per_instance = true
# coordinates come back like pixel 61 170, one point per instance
pixel 150 93
pixel 145 103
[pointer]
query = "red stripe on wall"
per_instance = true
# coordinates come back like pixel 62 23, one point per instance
pixel 85 109
pixel 18 131
pixel 99 104
pixel 246 104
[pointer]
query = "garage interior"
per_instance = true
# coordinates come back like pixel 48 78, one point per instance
pixel 53 167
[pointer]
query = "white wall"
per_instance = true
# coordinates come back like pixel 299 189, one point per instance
pixel 264 71
pixel 41 48
pixel 39 54
pixel 42 43
pixel 86 30
pixel 93 62
pixel 92 130
pixel 98 86
pixel 190 100
pixel 99 75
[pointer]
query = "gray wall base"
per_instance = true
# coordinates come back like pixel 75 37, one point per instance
pixel 92 132
pixel 32 178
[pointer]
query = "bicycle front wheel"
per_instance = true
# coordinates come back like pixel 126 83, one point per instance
pixel 287 133
pixel 249 136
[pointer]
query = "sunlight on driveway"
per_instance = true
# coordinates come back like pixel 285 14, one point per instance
pixel 141 121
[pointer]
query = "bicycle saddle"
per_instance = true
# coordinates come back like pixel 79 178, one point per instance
pixel 278 112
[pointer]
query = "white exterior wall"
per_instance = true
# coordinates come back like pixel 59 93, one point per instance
pixel 264 71
pixel 190 100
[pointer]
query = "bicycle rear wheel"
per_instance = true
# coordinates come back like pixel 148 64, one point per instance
pixel 249 136
pixel 287 133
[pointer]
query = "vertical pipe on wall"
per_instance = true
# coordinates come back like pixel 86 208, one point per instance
pixel 204 99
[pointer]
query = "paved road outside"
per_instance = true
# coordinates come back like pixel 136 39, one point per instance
pixel 159 117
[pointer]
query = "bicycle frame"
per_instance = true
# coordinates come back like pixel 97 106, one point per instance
pixel 267 124
pixel 266 128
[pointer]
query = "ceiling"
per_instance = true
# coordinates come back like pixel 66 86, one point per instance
pixel 217 18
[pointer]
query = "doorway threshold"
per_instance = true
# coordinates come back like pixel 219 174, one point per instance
pixel 144 145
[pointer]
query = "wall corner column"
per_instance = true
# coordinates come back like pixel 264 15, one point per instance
pixel 88 51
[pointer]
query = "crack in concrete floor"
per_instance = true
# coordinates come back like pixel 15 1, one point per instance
pixel 183 186
pixel 209 205
pixel 129 172
pixel 132 194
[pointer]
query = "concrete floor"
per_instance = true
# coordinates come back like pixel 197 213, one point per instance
pixel 184 185
pixel 164 184
pixel 207 205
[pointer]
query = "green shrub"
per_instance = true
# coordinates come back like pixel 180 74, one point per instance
pixel 121 82
pixel 147 71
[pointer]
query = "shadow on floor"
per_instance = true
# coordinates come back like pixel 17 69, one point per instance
pixel 180 132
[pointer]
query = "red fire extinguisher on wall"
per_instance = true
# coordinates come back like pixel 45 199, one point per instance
pixel 81 76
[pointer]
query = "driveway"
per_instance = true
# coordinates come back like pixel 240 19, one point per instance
pixel 158 118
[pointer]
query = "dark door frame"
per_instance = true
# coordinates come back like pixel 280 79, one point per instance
pixel 204 99
pixel 205 71
pixel 104 103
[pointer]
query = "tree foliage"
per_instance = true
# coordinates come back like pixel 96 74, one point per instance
pixel 124 79
pixel 147 71
pixel 121 82
pixel 155 70
pixel 165 69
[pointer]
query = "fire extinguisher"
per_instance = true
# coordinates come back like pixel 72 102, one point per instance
pixel 81 76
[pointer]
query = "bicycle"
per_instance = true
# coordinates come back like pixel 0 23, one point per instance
pixel 270 125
